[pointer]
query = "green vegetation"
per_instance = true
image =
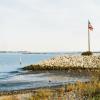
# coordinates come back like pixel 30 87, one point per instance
pixel 87 53
pixel 58 68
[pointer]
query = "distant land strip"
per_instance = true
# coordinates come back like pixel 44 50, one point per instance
pixel 29 52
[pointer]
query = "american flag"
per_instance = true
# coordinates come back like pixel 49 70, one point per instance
pixel 90 27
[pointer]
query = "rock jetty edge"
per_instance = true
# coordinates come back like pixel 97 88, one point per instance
pixel 65 62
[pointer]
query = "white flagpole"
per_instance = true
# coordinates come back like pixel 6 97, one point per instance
pixel 88 37
pixel 88 40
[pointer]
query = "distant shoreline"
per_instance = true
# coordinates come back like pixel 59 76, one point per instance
pixel 29 52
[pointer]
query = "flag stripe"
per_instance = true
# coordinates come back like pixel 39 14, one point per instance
pixel 90 27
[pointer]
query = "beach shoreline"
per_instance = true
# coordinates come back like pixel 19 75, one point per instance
pixel 66 91
pixel 92 73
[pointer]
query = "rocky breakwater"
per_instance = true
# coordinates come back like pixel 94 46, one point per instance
pixel 65 62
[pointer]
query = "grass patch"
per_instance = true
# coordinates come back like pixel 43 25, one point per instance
pixel 87 53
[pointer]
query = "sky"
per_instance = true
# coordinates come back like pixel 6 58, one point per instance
pixel 49 25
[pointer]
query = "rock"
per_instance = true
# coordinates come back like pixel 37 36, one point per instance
pixel 65 61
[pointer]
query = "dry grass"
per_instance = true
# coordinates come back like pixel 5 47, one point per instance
pixel 42 94
pixel 90 87
pixel 9 98
pixel 90 90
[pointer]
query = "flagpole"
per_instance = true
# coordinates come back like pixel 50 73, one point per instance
pixel 88 40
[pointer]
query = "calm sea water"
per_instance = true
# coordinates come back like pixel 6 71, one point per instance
pixel 11 61
pixel 11 78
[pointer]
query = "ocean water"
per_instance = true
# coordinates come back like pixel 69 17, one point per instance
pixel 11 61
pixel 12 78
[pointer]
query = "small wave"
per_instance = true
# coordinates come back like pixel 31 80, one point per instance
pixel 13 72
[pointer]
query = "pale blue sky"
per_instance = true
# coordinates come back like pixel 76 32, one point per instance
pixel 48 25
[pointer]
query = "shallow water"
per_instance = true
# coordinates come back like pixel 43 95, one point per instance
pixel 11 78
